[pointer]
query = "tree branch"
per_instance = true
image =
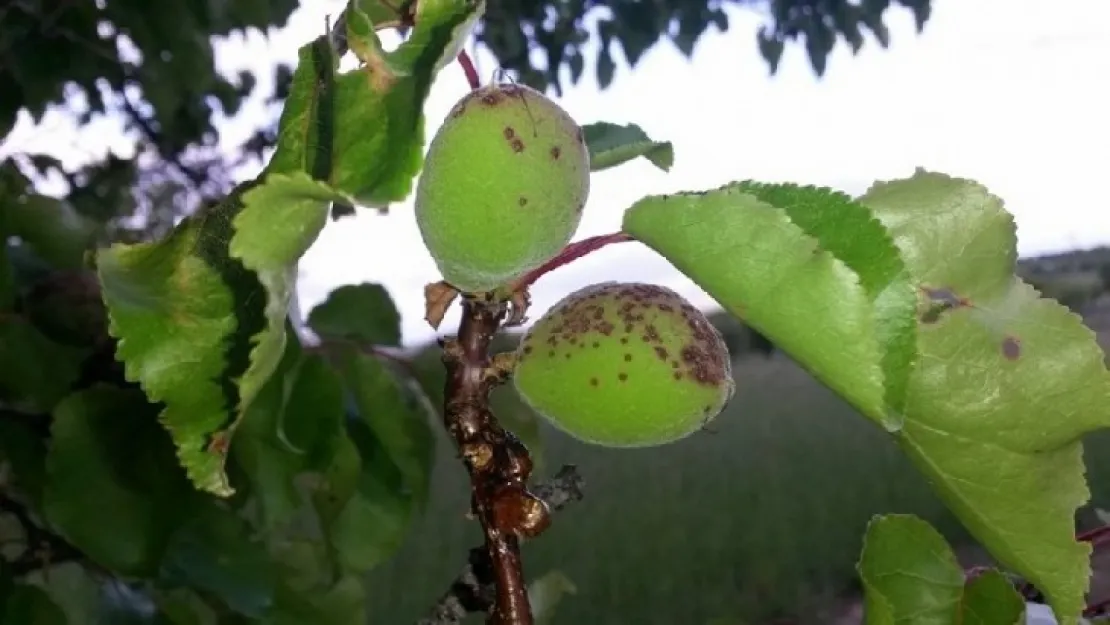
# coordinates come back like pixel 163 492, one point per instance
pixel 498 463
pixel 474 590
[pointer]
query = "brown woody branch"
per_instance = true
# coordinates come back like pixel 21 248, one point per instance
pixel 474 589
pixel 498 463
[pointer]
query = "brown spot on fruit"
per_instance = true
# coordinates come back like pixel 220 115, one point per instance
pixel 628 357
pixel 661 352
pixel 509 133
pixel 593 382
pixel 491 98
pixel 622 376
pixel 555 152
pixel 522 201
pixel 518 146
pixel 1011 348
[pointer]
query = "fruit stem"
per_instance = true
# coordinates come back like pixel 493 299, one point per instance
pixel 498 463
pixel 570 253
pixel 469 69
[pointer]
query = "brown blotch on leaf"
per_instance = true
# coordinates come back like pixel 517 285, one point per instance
pixel 1011 348
pixel 940 301
pixel 518 146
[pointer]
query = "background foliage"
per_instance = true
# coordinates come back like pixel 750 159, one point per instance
pixel 153 65
pixel 337 437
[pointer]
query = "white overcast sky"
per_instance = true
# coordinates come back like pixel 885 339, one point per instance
pixel 1013 93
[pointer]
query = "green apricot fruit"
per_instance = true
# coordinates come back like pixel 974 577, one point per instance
pixel 624 365
pixel 504 183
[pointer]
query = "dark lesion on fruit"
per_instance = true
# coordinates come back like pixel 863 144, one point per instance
pixel 556 151
pixel 522 201
pixel 702 357
pixel 518 145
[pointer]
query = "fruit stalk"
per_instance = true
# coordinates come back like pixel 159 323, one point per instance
pixel 498 463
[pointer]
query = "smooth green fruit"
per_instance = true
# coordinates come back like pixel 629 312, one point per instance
pixel 625 365
pixel 503 187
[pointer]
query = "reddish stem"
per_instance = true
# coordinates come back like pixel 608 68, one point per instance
pixel 1096 536
pixel 570 253
pixel 469 69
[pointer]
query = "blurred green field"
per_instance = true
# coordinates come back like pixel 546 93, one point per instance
pixel 760 519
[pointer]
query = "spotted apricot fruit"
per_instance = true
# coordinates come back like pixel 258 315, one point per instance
pixel 505 180
pixel 624 365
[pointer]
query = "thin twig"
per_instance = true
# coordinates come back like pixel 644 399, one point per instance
pixel 474 590
pixel 570 253
pixel 469 69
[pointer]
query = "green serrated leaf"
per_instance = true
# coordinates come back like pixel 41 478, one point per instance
pixel 72 587
pixel 364 313
pixel 376 165
pixel 24 452
pixel 215 552
pixel 35 371
pixel 181 606
pixel 545 594
pixel 337 482
pixel 341 604
pixel 394 440
pixel 30 605
pixel 279 221
pixel 990 599
pixel 193 332
pixel 767 270
pixel 57 233
pixel 364 42
pixel 112 486
pixel 849 231
pixel 1005 386
pixel 612 144
pixel 290 429
pixel 443 28
pixel 383 13
pixel 7 275
pixel 910 575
